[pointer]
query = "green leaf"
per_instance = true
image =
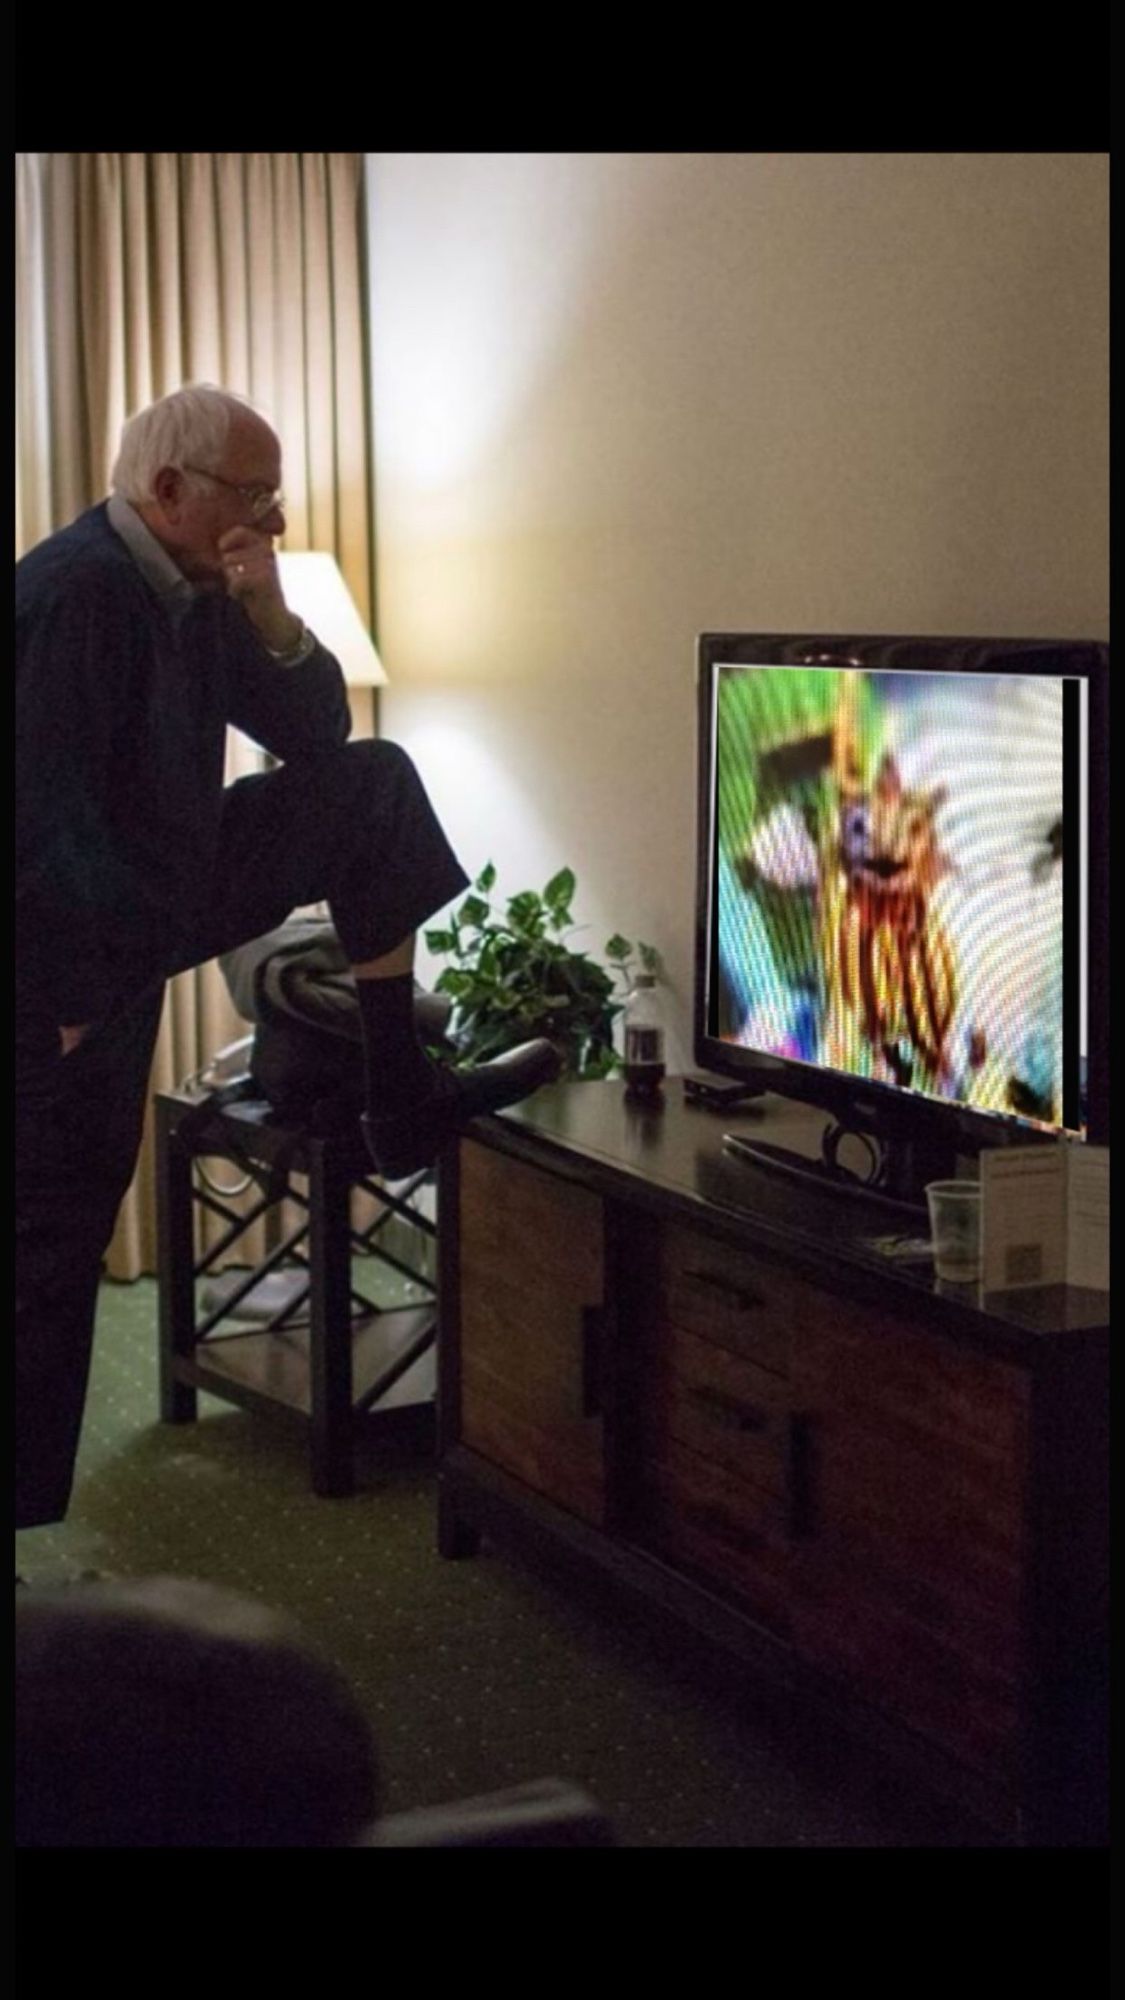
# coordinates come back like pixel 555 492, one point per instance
pixel 526 912
pixel 486 879
pixel 560 889
pixel 441 941
pixel 474 910
pixel 598 1063
pixel 453 982
pixel 618 948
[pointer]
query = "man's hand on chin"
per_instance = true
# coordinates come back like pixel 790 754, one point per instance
pixel 250 572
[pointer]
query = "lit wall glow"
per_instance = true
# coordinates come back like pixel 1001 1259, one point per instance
pixel 520 250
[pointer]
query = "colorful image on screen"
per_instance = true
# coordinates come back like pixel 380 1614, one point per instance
pixel 888 880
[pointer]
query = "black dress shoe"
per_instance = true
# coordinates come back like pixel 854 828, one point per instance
pixel 407 1141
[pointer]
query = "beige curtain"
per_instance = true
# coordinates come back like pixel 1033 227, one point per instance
pixel 136 273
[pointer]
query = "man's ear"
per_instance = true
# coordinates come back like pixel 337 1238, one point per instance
pixel 168 491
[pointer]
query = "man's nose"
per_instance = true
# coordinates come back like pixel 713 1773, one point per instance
pixel 273 523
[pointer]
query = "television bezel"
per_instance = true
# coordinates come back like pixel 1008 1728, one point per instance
pixel 940 1127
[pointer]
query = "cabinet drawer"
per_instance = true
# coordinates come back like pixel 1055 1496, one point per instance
pixel 701 1518
pixel 731 1296
pixel 717 1403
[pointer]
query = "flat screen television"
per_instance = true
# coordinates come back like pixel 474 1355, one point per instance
pixel 902 905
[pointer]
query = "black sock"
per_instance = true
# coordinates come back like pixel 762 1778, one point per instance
pixel 398 1070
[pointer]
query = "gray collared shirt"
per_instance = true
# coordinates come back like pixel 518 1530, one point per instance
pixel 169 581
pixel 154 563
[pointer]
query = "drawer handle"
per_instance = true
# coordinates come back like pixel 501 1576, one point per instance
pixel 747 1301
pixel 738 1416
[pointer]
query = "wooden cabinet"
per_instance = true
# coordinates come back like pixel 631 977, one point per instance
pixel 734 1412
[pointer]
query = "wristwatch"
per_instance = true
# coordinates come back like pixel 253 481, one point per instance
pixel 294 654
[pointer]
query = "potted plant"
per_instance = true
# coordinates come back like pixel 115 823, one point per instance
pixel 512 976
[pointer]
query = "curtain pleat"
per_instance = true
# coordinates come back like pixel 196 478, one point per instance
pixel 137 273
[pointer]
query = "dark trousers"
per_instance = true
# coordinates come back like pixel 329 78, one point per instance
pixel 353 828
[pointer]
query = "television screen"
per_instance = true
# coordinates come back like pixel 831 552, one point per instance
pixel 897 879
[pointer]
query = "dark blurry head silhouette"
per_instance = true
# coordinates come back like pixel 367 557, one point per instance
pixel 166 1712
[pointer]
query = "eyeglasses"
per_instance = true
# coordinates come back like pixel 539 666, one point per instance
pixel 261 500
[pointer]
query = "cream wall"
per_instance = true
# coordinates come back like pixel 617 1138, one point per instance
pixel 622 398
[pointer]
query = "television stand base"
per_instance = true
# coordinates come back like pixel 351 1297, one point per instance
pixel 782 1159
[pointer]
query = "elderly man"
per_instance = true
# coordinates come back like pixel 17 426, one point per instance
pixel 143 629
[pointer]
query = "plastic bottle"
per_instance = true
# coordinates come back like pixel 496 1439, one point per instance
pixel 644 1038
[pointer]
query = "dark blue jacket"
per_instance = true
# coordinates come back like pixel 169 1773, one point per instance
pixel 122 706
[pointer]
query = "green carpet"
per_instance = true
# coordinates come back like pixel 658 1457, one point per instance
pixel 475 1674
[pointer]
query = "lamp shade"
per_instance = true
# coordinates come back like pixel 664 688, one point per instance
pixel 315 590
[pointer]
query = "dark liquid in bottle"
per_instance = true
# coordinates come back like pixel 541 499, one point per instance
pixel 644 1079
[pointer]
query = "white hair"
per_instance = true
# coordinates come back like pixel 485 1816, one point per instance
pixel 189 427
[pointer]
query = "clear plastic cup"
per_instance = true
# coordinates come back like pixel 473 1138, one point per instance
pixel 955 1230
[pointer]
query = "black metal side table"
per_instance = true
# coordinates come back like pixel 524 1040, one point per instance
pixel 328 1358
